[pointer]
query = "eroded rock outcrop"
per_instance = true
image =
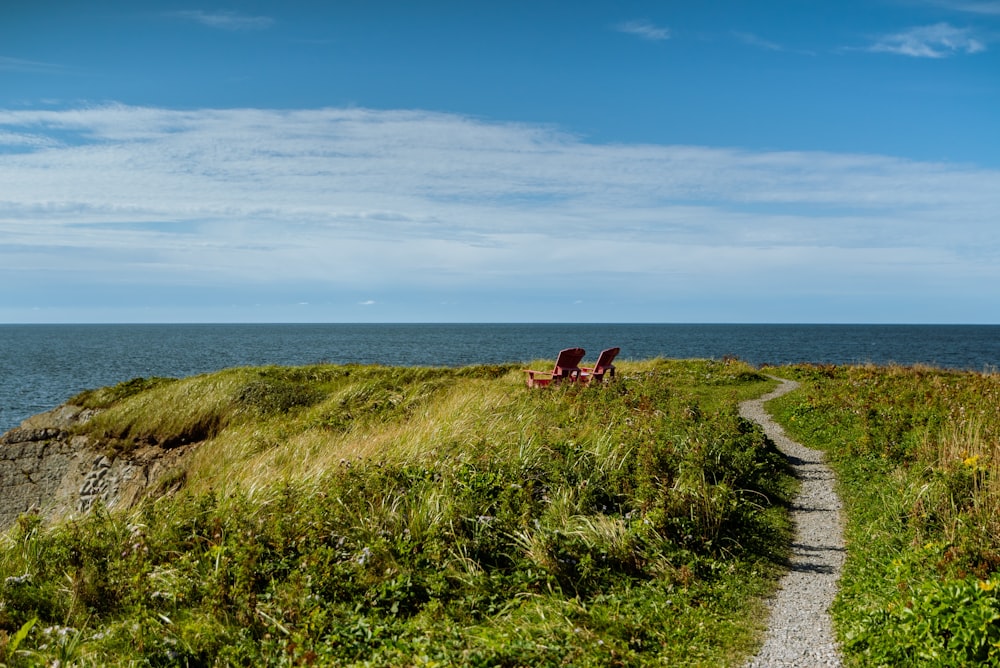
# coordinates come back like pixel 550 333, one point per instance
pixel 46 468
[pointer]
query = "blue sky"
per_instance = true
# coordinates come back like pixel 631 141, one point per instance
pixel 468 161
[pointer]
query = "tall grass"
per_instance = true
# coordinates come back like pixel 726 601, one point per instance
pixel 374 516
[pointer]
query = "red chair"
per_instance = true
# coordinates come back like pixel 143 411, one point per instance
pixel 604 366
pixel 567 368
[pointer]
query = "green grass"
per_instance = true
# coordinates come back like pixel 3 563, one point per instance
pixel 363 515
pixel 917 455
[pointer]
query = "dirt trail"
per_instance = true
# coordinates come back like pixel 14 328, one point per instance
pixel 800 631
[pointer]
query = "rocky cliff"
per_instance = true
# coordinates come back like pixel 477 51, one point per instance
pixel 47 469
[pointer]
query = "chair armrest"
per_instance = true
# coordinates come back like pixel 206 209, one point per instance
pixel 538 382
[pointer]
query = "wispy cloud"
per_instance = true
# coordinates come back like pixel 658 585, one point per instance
pixel 31 66
pixel 644 29
pixel 226 20
pixel 751 39
pixel 988 7
pixel 940 40
pixel 413 202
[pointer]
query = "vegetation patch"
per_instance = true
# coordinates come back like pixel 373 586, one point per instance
pixel 356 515
pixel 917 454
pixel 105 397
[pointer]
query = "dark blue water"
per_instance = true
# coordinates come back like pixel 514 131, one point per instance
pixel 43 365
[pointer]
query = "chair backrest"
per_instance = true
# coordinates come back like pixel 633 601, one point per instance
pixel 604 362
pixel 604 365
pixel 568 363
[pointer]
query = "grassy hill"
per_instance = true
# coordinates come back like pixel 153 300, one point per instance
pixel 364 515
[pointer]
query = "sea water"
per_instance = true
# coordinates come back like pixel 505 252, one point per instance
pixel 43 365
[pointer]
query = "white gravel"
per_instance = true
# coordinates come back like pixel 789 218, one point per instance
pixel 800 631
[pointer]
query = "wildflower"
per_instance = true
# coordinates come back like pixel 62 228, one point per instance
pixel 987 585
pixel 365 555
pixel 972 461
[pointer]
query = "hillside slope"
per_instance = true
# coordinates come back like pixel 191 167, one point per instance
pixel 385 516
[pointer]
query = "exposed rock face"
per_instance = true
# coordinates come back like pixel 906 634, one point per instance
pixel 46 469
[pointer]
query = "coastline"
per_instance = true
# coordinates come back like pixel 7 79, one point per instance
pixel 43 365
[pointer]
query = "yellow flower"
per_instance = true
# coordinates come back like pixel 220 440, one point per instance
pixel 987 585
pixel 972 461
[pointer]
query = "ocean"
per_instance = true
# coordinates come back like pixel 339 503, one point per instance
pixel 43 365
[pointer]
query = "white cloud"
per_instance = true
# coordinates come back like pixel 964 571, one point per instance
pixel 751 39
pixel 420 202
pixel 940 40
pixel 644 29
pixel 20 140
pixel 226 20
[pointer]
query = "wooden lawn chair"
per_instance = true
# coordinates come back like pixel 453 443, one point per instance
pixel 603 367
pixel 567 368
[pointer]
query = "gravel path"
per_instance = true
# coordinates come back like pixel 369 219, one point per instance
pixel 800 632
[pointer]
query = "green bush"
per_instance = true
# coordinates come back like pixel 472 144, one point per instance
pixel 950 623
